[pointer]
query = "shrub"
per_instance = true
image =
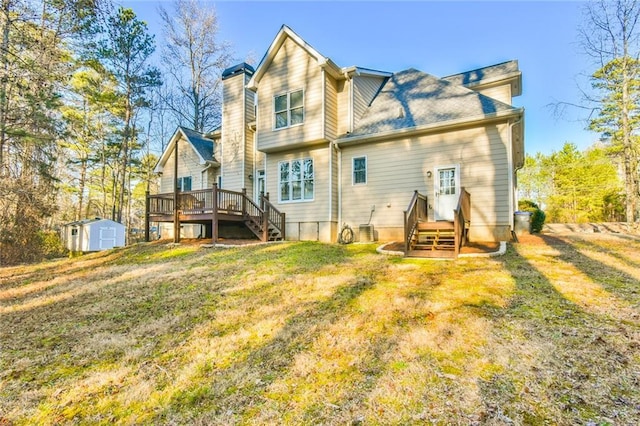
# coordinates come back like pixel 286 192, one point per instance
pixel 537 216
pixel 51 244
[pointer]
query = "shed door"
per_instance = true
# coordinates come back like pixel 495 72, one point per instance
pixel 447 188
pixel 107 237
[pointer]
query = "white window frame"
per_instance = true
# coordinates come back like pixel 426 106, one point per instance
pixel 180 183
pixel 288 109
pixel 353 170
pixel 290 182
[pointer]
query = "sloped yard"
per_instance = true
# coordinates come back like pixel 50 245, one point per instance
pixel 307 333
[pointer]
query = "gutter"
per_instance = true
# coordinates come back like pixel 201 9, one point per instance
pixel 339 151
pixel 428 128
pixel 512 173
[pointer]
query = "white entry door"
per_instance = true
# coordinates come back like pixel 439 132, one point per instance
pixel 260 184
pixel 107 237
pixel 446 190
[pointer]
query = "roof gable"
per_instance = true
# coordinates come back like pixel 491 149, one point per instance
pixel 412 99
pixel 202 146
pixel 284 34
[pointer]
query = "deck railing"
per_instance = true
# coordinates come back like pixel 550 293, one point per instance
pixel 215 201
pixel 416 212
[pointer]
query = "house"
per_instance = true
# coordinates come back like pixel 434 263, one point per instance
pixel 403 156
pixel 93 235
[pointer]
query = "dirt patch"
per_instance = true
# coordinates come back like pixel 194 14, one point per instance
pixel 200 241
pixel 469 248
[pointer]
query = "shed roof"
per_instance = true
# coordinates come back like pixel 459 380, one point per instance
pixel 412 98
pixel 88 221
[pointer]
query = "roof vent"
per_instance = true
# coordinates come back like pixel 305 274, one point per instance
pixel 400 112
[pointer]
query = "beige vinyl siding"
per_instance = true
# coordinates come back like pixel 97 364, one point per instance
pixel 307 220
pixel 343 98
pixel 188 165
pixel 237 140
pixel 291 69
pixel 249 162
pixel 396 168
pixel 365 88
pixel 331 108
pixel 501 93
pixel 249 158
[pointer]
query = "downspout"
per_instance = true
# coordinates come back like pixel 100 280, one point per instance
pixel 330 182
pixel 337 147
pixel 512 172
pixel 324 104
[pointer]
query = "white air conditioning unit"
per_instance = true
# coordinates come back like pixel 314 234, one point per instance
pixel 367 234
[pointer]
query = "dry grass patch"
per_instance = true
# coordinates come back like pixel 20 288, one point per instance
pixel 309 333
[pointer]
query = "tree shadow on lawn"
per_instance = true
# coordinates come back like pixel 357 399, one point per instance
pixel 597 270
pixel 562 363
pixel 237 388
pixel 102 326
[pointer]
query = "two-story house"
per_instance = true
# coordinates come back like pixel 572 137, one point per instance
pixel 382 152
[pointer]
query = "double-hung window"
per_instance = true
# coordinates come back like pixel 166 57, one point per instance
pixel 184 183
pixel 296 180
pixel 288 109
pixel 359 170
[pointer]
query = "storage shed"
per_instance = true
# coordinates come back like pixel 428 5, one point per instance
pixel 93 235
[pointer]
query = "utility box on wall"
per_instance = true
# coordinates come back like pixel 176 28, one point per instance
pixel 366 234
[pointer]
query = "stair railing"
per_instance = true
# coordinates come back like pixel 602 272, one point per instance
pixel 273 217
pixel 416 212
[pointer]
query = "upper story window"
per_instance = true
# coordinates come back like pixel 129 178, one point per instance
pixel 359 170
pixel 296 180
pixel 184 183
pixel 288 109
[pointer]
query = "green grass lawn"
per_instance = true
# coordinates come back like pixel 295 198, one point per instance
pixel 309 333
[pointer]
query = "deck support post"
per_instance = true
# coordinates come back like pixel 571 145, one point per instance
pixel 176 214
pixel 265 223
pixel 147 205
pixel 244 202
pixel 214 215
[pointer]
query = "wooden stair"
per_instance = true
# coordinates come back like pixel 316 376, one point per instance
pixel 433 240
pixel 253 223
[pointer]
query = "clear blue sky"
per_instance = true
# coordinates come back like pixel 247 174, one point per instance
pixel 440 38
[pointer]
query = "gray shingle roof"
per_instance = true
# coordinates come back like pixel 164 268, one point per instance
pixel 412 98
pixel 202 145
pixel 485 73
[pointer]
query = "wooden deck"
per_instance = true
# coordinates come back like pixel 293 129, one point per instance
pixel 214 206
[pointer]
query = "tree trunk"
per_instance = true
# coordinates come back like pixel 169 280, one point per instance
pixel 125 155
pixel 4 83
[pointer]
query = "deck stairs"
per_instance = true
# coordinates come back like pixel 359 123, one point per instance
pixel 436 239
pixel 433 239
pixel 254 225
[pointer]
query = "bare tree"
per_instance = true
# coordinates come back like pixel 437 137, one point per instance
pixel 194 59
pixel 610 36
